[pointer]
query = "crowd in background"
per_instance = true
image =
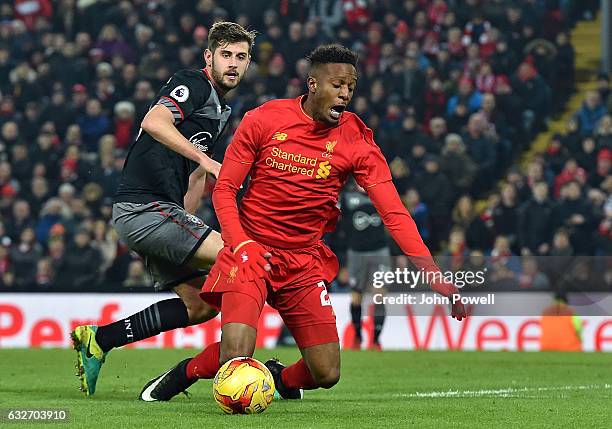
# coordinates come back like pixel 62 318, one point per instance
pixel 455 91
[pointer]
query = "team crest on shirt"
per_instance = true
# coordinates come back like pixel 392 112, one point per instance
pixel 194 219
pixel 231 276
pixel 180 93
pixel 329 147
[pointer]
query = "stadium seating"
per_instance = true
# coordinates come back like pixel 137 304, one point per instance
pixel 468 85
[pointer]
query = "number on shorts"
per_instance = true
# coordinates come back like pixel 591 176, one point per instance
pixel 324 296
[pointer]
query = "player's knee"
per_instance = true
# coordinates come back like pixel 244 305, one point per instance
pixel 328 378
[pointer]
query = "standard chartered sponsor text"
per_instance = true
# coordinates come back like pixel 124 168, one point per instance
pixel 278 156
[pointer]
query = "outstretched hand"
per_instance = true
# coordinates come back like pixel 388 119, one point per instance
pixel 252 260
pixel 457 308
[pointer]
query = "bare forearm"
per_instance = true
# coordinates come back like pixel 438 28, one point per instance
pixel 193 197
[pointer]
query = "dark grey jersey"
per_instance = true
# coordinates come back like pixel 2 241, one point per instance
pixel 364 228
pixel 152 172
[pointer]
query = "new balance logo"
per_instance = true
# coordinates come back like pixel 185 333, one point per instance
pixel 281 137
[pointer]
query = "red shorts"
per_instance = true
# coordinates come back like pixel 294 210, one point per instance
pixel 296 288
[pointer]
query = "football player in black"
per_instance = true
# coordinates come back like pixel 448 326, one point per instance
pixel 160 190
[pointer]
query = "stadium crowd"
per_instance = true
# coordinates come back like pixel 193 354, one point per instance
pixel 454 91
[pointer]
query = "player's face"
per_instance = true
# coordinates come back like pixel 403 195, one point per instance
pixel 331 88
pixel 228 64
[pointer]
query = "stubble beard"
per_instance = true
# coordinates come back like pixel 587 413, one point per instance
pixel 218 78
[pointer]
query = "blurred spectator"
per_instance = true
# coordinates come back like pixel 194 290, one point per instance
pixel 590 113
pixel 505 215
pixel 137 275
pixel 575 214
pixel 571 172
pixel 79 267
pixel 94 124
pixel 482 151
pixel 20 220
pixel 436 193
pixel 125 124
pixel 535 222
pixel 419 212
pixel 531 277
pixel 44 274
pixel 535 96
pixel 457 164
pixel 467 96
pixel 457 250
pixel 24 256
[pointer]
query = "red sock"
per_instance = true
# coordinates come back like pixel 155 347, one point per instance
pixel 297 376
pixel 205 364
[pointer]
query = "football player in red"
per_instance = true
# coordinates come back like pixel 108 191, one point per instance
pixel 299 154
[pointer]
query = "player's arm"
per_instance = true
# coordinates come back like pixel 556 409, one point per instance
pixel 193 197
pixel 372 173
pixel 400 224
pixel 159 124
pixel 237 163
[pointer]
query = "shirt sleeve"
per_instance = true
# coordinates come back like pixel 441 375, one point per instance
pixel 232 175
pixel 369 165
pixel 184 93
pixel 247 139
pixel 405 233
pixel 239 157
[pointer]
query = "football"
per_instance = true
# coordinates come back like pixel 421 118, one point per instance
pixel 243 385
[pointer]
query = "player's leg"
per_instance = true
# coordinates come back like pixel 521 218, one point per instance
pixel 323 362
pixel 356 269
pixel 205 255
pixel 379 322
pixel 186 310
pixel 307 311
pixel 381 263
pixel 93 343
pixel 169 238
pixel 356 315
pixel 319 366
pixel 239 316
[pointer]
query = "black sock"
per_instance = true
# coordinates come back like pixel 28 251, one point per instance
pixel 379 320
pixel 160 317
pixel 356 316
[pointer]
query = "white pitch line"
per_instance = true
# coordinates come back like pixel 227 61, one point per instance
pixel 506 392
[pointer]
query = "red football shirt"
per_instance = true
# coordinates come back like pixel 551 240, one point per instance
pixel 298 168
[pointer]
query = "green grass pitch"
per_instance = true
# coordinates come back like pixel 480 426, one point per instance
pixel 388 389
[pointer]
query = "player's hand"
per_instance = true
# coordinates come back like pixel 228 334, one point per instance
pixel 457 309
pixel 252 260
pixel 211 166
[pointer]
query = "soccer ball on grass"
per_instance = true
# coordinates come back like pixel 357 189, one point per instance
pixel 243 385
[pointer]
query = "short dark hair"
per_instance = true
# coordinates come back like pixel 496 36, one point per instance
pixel 224 32
pixel 326 54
